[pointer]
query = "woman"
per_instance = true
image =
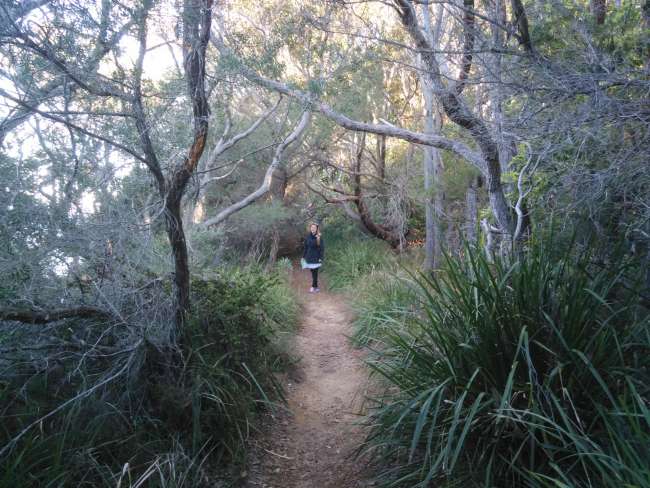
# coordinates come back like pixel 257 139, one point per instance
pixel 313 255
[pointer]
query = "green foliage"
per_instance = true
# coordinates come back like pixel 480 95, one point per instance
pixel 348 262
pixel 156 425
pixel 230 353
pixel 525 373
pixel 383 300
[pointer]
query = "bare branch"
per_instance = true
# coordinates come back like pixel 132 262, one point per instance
pixel 78 128
pixel 268 177
pixel 43 317
pixel 473 157
pixel 222 146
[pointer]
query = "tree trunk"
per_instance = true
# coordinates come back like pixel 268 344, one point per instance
pixel 505 147
pixel 278 187
pixel 434 196
pixel 381 157
pixel 275 247
pixel 471 211
pixel 176 235
pixel 375 229
pixel 456 109
pixel 599 10
pixel 197 15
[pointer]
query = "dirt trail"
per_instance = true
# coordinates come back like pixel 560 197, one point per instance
pixel 312 445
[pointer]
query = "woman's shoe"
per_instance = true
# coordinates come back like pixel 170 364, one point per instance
pixel 312 289
pixel 316 290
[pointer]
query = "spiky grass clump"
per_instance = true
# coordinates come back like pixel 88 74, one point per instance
pixel 347 263
pixel 527 373
pixel 383 300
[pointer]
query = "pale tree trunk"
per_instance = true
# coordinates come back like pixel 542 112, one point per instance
pixel 433 200
pixel 210 163
pixel 505 146
pixel 471 211
pixel 381 157
pixel 432 162
pixel 264 188
pixel 455 107
pixel 645 22
pixel 278 187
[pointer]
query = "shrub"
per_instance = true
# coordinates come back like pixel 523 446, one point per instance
pixel 231 354
pixel 526 373
pixel 157 412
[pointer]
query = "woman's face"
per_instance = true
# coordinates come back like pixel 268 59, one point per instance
pixel 313 228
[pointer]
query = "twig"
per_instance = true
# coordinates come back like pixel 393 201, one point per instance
pixel 83 394
pixel 278 455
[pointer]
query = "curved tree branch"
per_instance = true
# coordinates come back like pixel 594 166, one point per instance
pixel 473 157
pixel 468 45
pixel 268 177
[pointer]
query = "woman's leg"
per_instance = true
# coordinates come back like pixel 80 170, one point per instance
pixel 314 278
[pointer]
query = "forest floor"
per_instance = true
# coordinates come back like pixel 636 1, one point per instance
pixel 312 443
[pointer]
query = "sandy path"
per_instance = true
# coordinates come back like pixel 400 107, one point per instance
pixel 312 445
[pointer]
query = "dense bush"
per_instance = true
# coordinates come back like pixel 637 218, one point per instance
pixel 156 411
pixel 527 373
pixel 231 355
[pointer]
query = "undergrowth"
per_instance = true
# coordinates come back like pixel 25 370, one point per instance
pixel 383 299
pixel 531 372
pixel 348 263
pixel 175 415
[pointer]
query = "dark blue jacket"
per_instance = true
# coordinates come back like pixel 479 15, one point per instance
pixel 313 253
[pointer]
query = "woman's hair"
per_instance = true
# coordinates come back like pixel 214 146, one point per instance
pixel 314 223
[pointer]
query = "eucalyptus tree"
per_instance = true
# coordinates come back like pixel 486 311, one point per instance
pixel 62 45
pixel 482 152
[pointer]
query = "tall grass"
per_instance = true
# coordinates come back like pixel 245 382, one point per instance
pixel 232 356
pixel 527 373
pixel 348 262
pixel 383 299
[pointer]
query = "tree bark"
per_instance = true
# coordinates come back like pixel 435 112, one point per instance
pixel 521 19
pixel 197 17
pixel 432 161
pixel 375 229
pixel 599 10
pixel 471 211
pixel 460 114
pixel 176 236
pixel 381 157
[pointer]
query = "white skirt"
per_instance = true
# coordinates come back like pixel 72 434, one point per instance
pixel 306 265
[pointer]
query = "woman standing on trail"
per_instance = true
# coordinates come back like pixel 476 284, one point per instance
pixel 313 255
